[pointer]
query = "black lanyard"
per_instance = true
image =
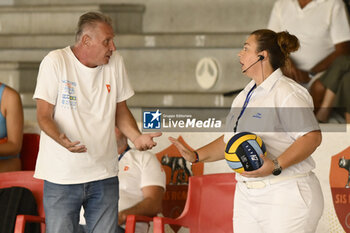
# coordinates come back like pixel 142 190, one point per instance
pixel 123 153
pixel 250 93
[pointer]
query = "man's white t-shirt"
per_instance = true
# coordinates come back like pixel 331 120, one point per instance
pixel 85 101
pixel 279 111
pixel 138 169
pixel 319 26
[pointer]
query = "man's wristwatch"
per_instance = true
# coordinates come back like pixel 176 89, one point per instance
pixel 278 169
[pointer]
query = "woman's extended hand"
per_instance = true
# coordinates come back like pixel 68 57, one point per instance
pixel 186 153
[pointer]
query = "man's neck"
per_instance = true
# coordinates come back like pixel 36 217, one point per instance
pixel 81 55
pixel 303 3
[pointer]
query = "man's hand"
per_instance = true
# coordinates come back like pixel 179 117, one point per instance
pixel 71 146
pixel 122 217
pixel 145 141
pixel 291 71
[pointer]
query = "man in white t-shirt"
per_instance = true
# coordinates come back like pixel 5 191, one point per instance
pixel 142 184
pixel 323 31
pixel 81 96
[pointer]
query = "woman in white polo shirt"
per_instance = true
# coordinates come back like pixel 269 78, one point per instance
pixel 283 195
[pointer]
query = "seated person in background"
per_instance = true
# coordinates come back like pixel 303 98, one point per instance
pixel 323 30
pixel 11 129
pixel 336 82
pixel 141 183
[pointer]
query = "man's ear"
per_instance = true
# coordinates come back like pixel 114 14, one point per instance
pixel 86 40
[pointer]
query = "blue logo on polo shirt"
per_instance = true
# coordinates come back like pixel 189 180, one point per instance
pixel 258 115
pixel 151 120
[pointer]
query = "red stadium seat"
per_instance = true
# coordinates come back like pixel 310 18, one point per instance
pixel 209 205
pixel 25 179
pixel 29 151
pixel 131 222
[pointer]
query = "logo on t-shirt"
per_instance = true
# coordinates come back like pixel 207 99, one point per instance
pixel 68 96
pixel 108 88
pixel 151 120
